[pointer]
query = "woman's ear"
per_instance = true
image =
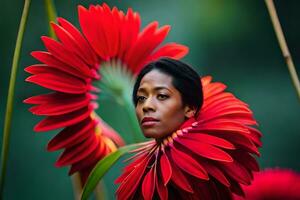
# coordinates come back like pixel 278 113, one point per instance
pixel 189 111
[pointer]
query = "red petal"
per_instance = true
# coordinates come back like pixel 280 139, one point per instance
pixel 237 172
pixel 39 99
pixel 130 184
pixel 223 125
pixel 130 167
pixel 130 26
pixel 188 164
pixel 239 140
pixel 205 150
pixel 255 132
pixel 209 139
pixel 165 167
pixel 53 97
pixel 255 136
pixel 39 68
pixel 111 30
pixel 214 171
pixel 66 56
pixel 71 44
pixel 51 61
pixel 213 89
pixel 217 98
pixel 172 50
pixel 147 41
pixel 206 80
pixel 91 25
pixel 79 151
pixel 86 49
pixel 179 179
pixel 246 160
pixel 148 185
pixel 224 100
pixel 91 160
pixel 72 135
pixel 59 82
pixel 141 151
pixel 61 106
pixel 237 189
pixel 234 113
pixel 54 122
pixel 161 189
pixel 255 140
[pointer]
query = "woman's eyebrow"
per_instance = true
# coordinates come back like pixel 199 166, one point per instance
pixel 161 88
pixel 141 90
pixel 155 88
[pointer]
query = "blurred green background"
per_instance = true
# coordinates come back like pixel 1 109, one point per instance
pixel 231 40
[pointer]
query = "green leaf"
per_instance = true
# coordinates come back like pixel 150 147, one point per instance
pixel 102 167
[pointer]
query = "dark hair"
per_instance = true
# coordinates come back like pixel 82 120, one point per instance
pixel 184 78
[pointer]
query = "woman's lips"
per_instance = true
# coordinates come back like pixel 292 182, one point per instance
pixel 149 121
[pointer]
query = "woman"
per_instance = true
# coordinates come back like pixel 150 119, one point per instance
pixel 203 137
pixel 165 94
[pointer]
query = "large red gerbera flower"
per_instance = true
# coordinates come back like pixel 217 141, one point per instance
pixel 71 65
pixel 207 158
pixel 273 184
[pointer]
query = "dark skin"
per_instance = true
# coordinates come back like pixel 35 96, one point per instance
pixel 160 110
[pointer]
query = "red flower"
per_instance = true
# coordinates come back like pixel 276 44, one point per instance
pixel 273 184
pixel 207 158
pixel 71 65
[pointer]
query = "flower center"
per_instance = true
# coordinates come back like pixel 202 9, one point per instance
pixel 116 80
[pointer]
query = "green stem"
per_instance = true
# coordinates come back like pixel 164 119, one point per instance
pixel 137 135
pixel 51 13
pixel 283 45
pixel 10 98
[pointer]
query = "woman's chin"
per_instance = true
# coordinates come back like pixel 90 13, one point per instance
pixel 154 134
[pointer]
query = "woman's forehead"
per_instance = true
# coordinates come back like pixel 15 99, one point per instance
pixel 156 79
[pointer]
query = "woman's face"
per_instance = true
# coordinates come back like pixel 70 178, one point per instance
pixel 159 108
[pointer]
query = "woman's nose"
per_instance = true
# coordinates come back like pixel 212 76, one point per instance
pixel 148 105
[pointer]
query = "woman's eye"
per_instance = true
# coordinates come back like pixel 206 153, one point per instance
pixel 140 98
pixel 162 96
